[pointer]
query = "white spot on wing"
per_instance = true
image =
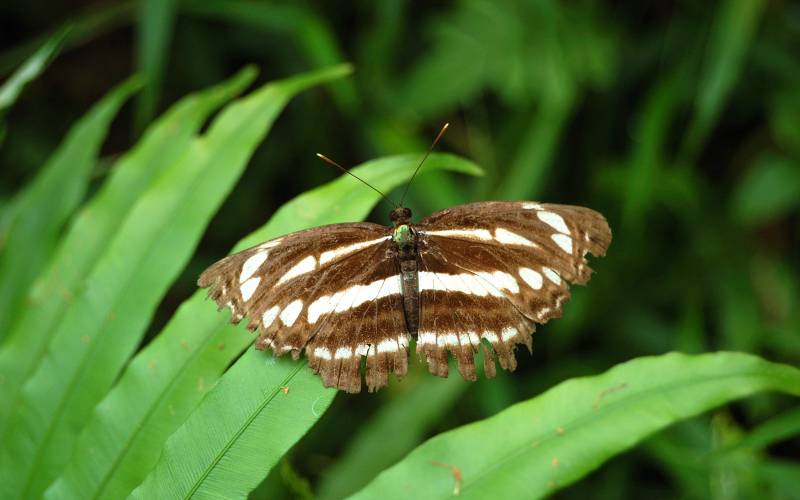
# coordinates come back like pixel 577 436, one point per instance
pixel 292 311
pixel 269 316
pixel 553 220
pixel 469 283
pixel 563 241
pixel 322 352
pixel 352 297
pixel 531 277
pixel 271 243
pixel 552 275
pixel 490 336
pixel 507 237
pixel 470 234
pixel 341 251
pixel 343 353
pixel 248 287
pixel 501 281
pixel 388 345
pixel 508 333
pixel 251 265
pixel 426 338
pixel 306 265
pixel 532 206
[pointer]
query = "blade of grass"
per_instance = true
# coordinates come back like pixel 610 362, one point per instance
pixel 777 428
pixel 94 227
pixel 44 206
pixel 29 71
pixel 106 321
pixel 166 380
pixel 528 172
pixel 246 419
pixel 154 33
pixel 734 27
pixel 543 444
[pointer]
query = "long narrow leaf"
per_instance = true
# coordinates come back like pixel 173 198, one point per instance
pixel 93 228
pixel 29 71
pixel 734 27
pixel 49 200
pixel 103 326
pixel 155 24
pixel 246 423
pixel 538 446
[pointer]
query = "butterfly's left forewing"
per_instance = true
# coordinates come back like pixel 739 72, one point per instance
pixel 332 291
pixel 490 271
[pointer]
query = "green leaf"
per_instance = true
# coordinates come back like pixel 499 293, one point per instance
pixel 776 429
pixel 93 228
pixel 29 71
pixel 735 25
pixel 246 419
pixel 41 210
pixel 396 429
pixel 154 32
pixel 533 448
pixel 770 189
pixel 104 325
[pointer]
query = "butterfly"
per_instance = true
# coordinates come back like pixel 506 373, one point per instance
pixel 472 277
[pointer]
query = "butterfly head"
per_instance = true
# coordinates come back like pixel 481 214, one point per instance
pixel 400 216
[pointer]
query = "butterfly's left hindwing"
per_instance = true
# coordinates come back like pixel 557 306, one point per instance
pixel 333 291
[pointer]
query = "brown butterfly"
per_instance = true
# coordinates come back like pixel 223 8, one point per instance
pixel 475 276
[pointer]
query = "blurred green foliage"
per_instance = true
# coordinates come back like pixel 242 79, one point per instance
pixel 679 121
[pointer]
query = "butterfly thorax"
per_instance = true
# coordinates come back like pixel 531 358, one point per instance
pixel 404 238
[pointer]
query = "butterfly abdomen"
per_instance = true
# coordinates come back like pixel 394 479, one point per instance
pixel 405 240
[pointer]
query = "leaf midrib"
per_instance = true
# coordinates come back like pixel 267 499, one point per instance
pixel 140 423
pixel 212 465
pixel 93 346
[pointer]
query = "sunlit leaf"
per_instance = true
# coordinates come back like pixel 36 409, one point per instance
pixel 42 209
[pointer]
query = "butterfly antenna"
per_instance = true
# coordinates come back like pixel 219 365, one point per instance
pixel 328 160
pixel 430 150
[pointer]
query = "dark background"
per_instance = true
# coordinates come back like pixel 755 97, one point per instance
pixel 680 121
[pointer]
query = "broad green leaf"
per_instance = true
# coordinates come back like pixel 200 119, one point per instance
pixel 396 429
pixel 104 325
pixel 770 189
pixel 29 71
pixel 733 29
pixel 93 228
pixel 44 206
pixel 237 421
pixel 536 447
pixel 154 34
